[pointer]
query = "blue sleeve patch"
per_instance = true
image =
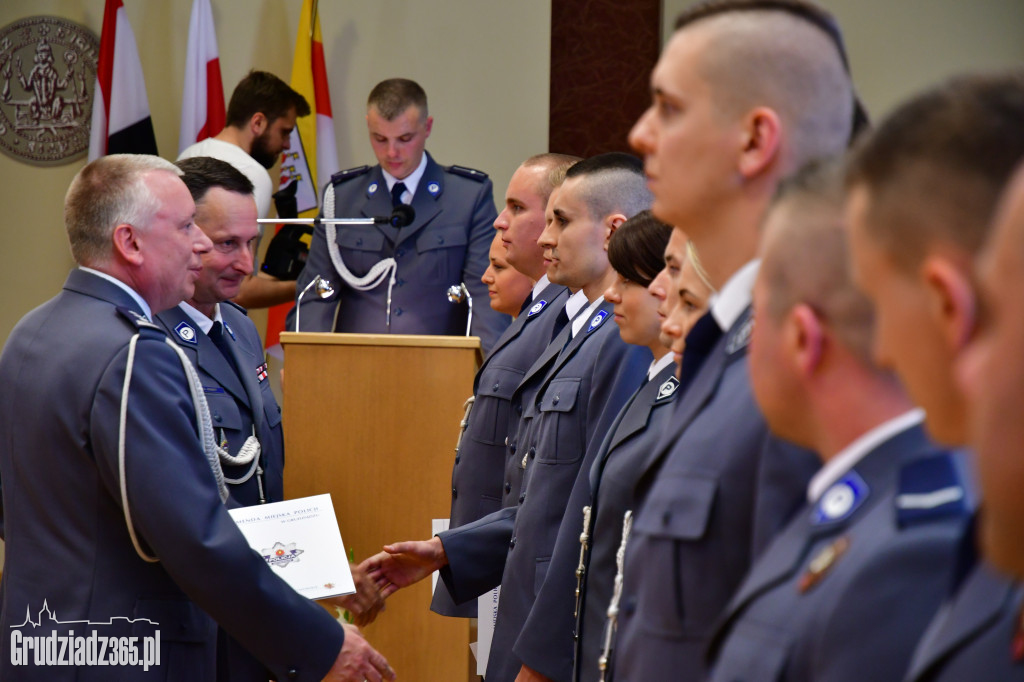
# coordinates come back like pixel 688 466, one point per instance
pixel 930 489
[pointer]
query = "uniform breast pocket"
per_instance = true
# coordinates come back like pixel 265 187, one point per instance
pixel 361 247
pixel 675 516
pixel 490 416
pixel 752 652
pixel 224 411
pixel 560 427
pixel 443 247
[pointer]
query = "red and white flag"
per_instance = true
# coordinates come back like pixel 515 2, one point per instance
pixel 120 109
pixel 202 106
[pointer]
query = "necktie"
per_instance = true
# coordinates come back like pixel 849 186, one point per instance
pixel 561 320
pixel 699 342
pixel 216 335
pixel 396 193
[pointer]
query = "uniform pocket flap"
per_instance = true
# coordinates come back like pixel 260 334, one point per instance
pixel 500 382
pixel 441 238
pixel 560 395
pixel 682 511
pixel 360 239
pixel 224 411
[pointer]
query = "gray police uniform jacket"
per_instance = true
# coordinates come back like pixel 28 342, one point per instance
pixel 844 592
pixel 239 400
pixel 581 395
pixel 447 243
pixel 718 490
pixel 977 634
pixel 605 483
pixel 67 542
pixel 477 474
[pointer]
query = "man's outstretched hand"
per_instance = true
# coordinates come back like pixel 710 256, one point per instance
pixel 404 563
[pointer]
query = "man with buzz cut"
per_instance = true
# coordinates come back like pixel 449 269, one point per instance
pixel 717 140
pixel 480 458
pixel 577 387
pixel 446 243
pixel 883 516
pixel 922 192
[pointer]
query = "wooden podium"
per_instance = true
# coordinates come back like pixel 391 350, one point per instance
pixel 373 419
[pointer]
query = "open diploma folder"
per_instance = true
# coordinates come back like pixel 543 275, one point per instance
pixel 300 540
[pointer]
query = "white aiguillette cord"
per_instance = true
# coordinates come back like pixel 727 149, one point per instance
pixel 383 269
pixel 204 427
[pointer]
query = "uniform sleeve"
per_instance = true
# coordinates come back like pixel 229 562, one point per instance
pixel 179 518
pixel 488 324
pixel 317 314
pixel 476 554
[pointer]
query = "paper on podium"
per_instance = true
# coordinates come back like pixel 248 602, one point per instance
pixel 299 540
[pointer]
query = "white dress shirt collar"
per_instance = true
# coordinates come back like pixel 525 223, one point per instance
pixel 659 364
pixel 412 180
pixel 735 296
pixel 539 286
pixel 584 317
pixel 848 457
pixel 201 320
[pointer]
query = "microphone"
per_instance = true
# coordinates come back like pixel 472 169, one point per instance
pixel 400 217
pixel 323 289
pixel 457 293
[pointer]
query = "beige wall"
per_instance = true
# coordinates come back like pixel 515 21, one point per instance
pixel 484 66
pixel 897 47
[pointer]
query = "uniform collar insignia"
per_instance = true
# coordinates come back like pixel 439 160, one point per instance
pixel 667 390
pixel 372 189
pixel 186 333
pixel 434 189
pixel 598 319
pixel 537 307
pixel 841 500
pixel 739 338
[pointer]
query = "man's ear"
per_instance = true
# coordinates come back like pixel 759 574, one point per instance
pixel 127 246
pixel 805 338
pixel 429 125
pixel 611 223
pixel 951 299
pixel 258 123
pixel 762 137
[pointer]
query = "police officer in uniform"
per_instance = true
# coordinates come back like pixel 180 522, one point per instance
pixel 477 474
pixel 939 162
pixel 884 514
pixel 718 488
pixel 447 242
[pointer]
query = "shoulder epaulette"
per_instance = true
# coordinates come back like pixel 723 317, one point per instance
pixel 342 176
pixel 930 489
pixel 236 307
pixel 139 321
pixel 470 173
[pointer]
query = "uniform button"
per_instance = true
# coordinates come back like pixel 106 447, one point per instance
pixel 629 606
pixel 512 542
pixel 506 441
pixel 218 418
pixel 508 487
pixel 293 674
pixel 495 387
pixel 359 242
pixel 455 493
pixel 398 312
pixel 512 448
pixel 400 282
pixel 440 239
pixel 519 409
pixel 400 253
pixel 554 401
pixel 457 459
pixel 522 497
pixel 533 452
